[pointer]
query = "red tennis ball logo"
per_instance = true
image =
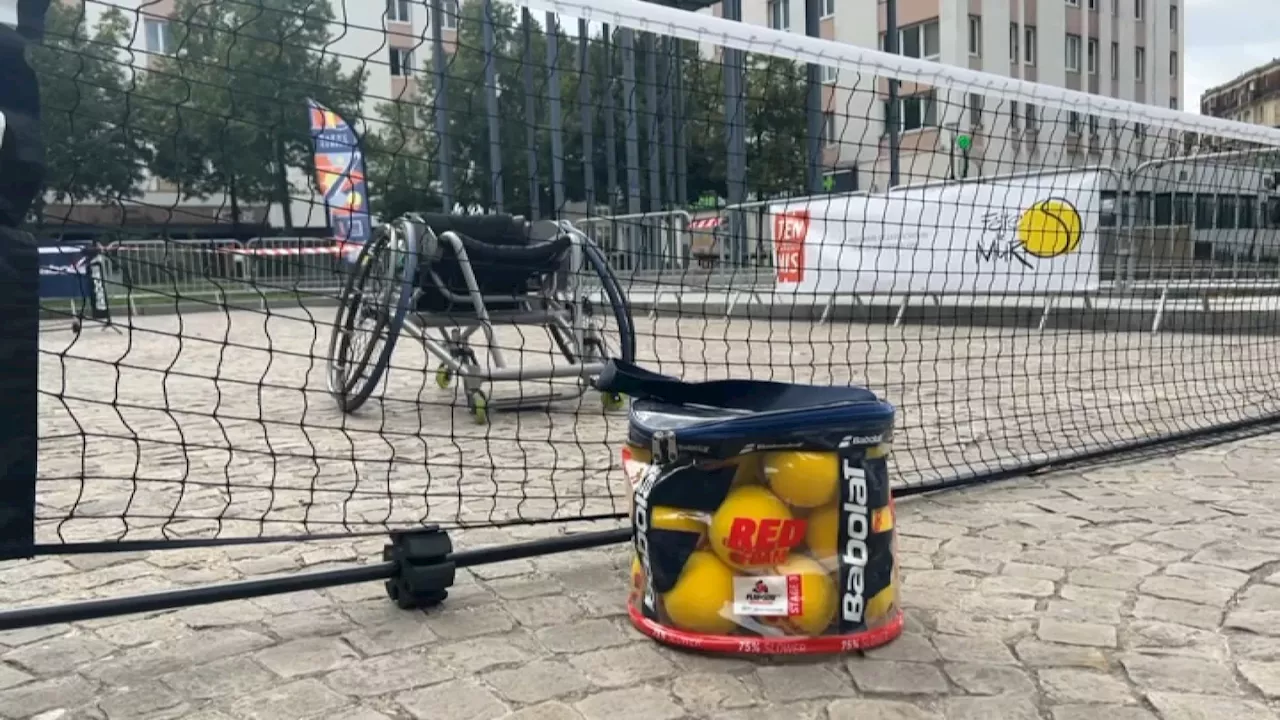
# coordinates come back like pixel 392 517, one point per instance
pixel 753 529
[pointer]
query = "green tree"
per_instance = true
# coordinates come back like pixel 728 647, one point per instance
pixel 227 110
pixel 94 151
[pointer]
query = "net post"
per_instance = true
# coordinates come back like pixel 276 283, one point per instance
pixel 891 109
pixel 496 189
pixel 21 177
pixel 813 100
pixel 444 154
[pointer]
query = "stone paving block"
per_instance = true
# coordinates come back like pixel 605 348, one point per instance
pixel 794 683
pixel 462 623
pixel 1064 686
pixel 1100 712
pixel 10 676
pixel 626 665
pixel 912 647
pixel 307 656
pixel 1232 555
pixel 639 703
pixel 1077 633
pixel 229 677
pixel 978 649
pixel 59 654
pixel 1028 570
pixel 1180 674
pixel 1178 612
pixel 868 709
pixel 386 674
pixel 469 657
pixel 147 661
pixel 299 699
pixel 142 701
pixel 709 693
pixel 65 692
pixel 581 636
pixel 1035 653
pixel 1188 706
pixel 978 679
pixel 380 639
pixel 1176 588
pixel 897 678
pixel 538 681
pixel 1015 585
pixel 1262 622
pixel 1004 707
pixel 454 700
pixel 545 711
pixel 1265 676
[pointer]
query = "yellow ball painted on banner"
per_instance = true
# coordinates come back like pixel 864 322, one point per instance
pixel 823 532
pixel 817 597
pixel 702 598
pixel 753 529
pixel 803 479
pixel 1050 228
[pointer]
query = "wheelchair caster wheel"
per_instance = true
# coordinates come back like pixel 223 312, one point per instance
pixel 612 401
pixel 478 404
pixel 444 377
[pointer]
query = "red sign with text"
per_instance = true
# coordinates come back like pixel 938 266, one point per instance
pixel 789 231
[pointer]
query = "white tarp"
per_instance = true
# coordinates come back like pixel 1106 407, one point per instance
pixel 1028 234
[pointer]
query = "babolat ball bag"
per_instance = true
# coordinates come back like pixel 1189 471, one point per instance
pixel 761 513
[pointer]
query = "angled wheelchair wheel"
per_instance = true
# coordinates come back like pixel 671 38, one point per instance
pixel 371 314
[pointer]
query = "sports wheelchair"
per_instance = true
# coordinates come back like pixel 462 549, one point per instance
pixel 459 274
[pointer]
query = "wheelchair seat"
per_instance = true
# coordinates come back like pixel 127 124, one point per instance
pixel 507 254
pixel 500 239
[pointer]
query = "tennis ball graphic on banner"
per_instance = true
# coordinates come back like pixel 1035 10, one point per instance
pixel 704 590
pixel 803 479
pixel 753 529
pixel 812 612
pixel 1050 228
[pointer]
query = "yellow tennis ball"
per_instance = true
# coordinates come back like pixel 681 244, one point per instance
pixel 703 591
pixel 823 532
pixel 637 572
pixel 678 520
pixel 753 529
pixel 801 478
pixel 817 597
pixel 878 607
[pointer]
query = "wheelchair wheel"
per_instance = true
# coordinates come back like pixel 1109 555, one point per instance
pixel 371 313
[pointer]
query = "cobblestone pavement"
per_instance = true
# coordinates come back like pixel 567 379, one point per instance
pixel 1128 592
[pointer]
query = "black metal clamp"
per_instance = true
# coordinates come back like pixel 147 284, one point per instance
pixel 423 567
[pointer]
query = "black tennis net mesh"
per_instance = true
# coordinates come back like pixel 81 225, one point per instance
pixel 1027 272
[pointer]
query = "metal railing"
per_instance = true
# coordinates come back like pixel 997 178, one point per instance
pixel 642 242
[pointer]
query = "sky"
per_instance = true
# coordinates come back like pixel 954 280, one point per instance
pixel 1224 39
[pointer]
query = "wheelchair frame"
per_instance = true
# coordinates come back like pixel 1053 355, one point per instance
pixel 557 304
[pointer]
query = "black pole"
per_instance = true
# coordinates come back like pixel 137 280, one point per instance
pixel 813 97
pixel 735 109
pixel 187 597
pixel 496 193
pixel 682 137
pixel 891 115
pixel 585 91
pixel 530 115
pixel 556 122
pixel 444 155
pixel 610 121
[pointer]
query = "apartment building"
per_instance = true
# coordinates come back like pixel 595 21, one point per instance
pixel 1130 49
pixel 1251 97
pixel 390 39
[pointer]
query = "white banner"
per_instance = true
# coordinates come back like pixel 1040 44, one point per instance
pixel 1029 234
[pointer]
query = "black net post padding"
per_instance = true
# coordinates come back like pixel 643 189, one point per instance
pixel 21 178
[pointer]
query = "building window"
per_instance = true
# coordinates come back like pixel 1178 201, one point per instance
pixel 975 110
pixel 829 74
pixel 159 36
pixel 1093 56
pixel 828 8
pixel 916 112
pixel 1029 45
pixel 1073 122
pixel 1173 18
pixel 1073 3
pixel 401 62
pixel 1093 4
pixel 1073 53
pixel 780 14
pixel 1013 42
pixel 1173 63
pixel 1015 117
pixel 1138 8
pixel 1115 61
pixel 1173 102
pixel 1032 122
pixel 920 41
pixel 975 36
pixel 1139 63
pixel 398 10
pixel 828 127
pixel 449 10
pixel 1093 125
